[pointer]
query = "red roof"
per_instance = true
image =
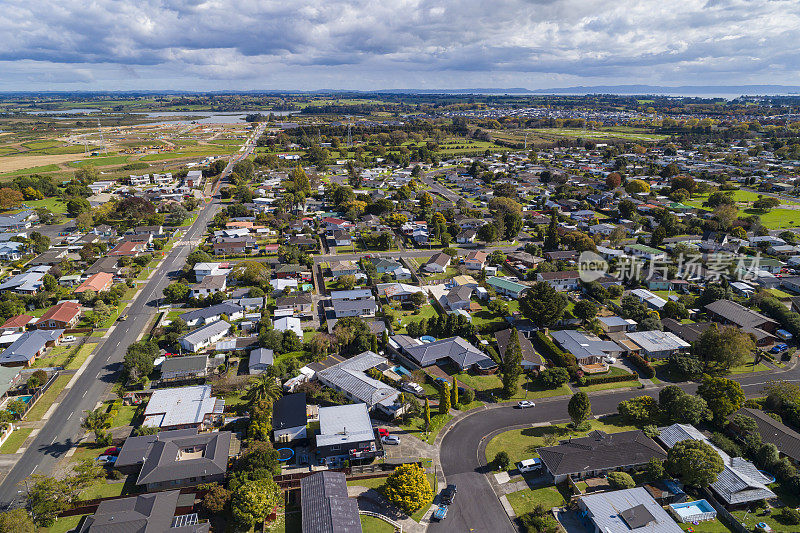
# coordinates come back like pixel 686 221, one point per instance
pixel 96 282
pixel 63 312
pixel 126 248
pixel 19 321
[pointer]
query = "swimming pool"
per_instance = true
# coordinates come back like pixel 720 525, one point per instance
pixel 397 369
pixel 694 511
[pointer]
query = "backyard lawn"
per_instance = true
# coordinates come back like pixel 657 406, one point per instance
pixel 522 443
pixel 416 426
pixel 525 501
pixel 62 525
pixel 370 524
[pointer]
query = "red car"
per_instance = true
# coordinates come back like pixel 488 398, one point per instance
pixel 112 451
pixel 383 432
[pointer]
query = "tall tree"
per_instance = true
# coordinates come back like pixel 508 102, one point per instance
pixel 512 365
pixel 724 347
pixel 264 388
pixel 695 461
pixel 444 399
pixel 543 305
pixel 552 239
pixel 427 414
pixel 723 395
pixel 579 408
pixel 454 395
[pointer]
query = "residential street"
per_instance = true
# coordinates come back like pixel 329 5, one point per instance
pixel 62 430
pixel 462 448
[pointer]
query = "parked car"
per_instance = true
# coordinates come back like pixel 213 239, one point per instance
pixel 449 494
pixel 107 459
pixel 778 348
pixel 69 338
pixel 529 465
pixel 390 439
pixel 114 450
pixel 525 403
pixel 383 432
pixel 414 388
pixel 440 513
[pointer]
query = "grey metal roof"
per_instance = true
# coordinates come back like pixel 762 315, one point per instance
pixel 172 458
pixel 206 332
pixel 190 364
pixel 739 482
pixel 528 353
pixel 349 305
pixel 738 314
pixel 657 341
pixel 179 406
pixel 225 308
pixel 135 449
pixel 28 345
pixel 628 510
pixel 260 356
pixel 325 505
pixel 344 424
pixel 355 294
pixel 457 349
pixel 583 345
pixel 350 376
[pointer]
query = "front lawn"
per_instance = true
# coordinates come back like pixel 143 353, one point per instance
pixel 15 440
pixel 522 443
pixel 525 501
pixel 609 386
pixel 370 524
pixel 46 400
pixel 416 426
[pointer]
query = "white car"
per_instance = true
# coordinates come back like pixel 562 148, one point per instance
pixel 611 360
pixel 529 465
pixel 390 439
pixel 526 403
pixel 68 338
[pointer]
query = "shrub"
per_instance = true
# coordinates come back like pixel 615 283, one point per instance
pixel 557 357
pixel 620 480
pixel 597 380
pixel 648 372
pixel 501 460
pixel 726 445
pixel 467 396
pixel 789 516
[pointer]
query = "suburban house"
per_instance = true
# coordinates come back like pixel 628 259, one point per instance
pixel 774 432
pixel 647 253
pixel 454 350
pixel 201 270
pixel 99 282
pixel 728 312
pixel 523 259
pixel 399 292
pixel 599 453
pixel 178 458
pixel 204 336
pixel 350 377
pixel 16 324
pixel 466 237
pixel 182 408
pixel 587 348
pixel 206 315
pixel 156 511
pixel 507 287
pixel 29 346
pixel 61 316
pixel 458 298
pixel 233 246
pixel 739 484
pixel 343 268
pixel 687 332
pixel 325 507
pixel 345 433
pixel 615 324
pixel 261 359
pixel 357 302
pixel 210 285
pixel 626 510
pixel 300 304
pixel 437 263
pixel 289 323
pixel 565 280
pixel 289 418
pixel 657 344
pixel 475 260
pixel 651 300
pixel 127 248
pixel 184 368
pixel 27 282
pixel 531 360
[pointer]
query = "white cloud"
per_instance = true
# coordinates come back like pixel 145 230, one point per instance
pixel 363 44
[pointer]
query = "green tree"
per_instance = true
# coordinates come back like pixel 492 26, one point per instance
pixel 585 310
pixel 47 498
pixel 620 480
pixel 639 410
pixel 552 378
pixel 695 461
pixel 637 186
pixel 543 305
pixel 552 240
pixel 263 388
pixel 655 469
pixel 501 460
pixel 454 394
pixel 96 421
pixel 427 415
pixel 16 521
pixel 216 499
pixel 512 365
pixel 253 501
pixel 408 488
pixel 723 396
pixel 724 347
pixel 579 408
pixel 444 398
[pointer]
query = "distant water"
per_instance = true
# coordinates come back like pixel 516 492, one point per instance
pixel 198 117
pixel 73 111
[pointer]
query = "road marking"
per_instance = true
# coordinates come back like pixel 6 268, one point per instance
pixel 34 469
pixel 70 415
pixel 98 374
pixel 54 441
pixel 84 394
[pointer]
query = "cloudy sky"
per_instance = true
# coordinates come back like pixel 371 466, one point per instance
pixel 386 44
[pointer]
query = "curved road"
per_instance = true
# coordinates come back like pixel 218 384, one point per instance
pixel 476 507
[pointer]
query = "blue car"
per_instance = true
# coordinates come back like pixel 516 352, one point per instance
pixel 778 348
pixel 440 513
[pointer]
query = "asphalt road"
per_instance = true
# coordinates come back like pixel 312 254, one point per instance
pixel 62 430
pixel 476 507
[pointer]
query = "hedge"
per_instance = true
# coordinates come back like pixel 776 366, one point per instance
pixel 556 356
pixel 597 380
pixel 648 372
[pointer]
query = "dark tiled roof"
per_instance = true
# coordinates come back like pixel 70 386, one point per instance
pixel 687 332
pixel 600 451
pixel 163 462
pixel 786 439
pixel 738 314
pixel 528 353
pixel 289 411
pixel 325 505
pixel 146 513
